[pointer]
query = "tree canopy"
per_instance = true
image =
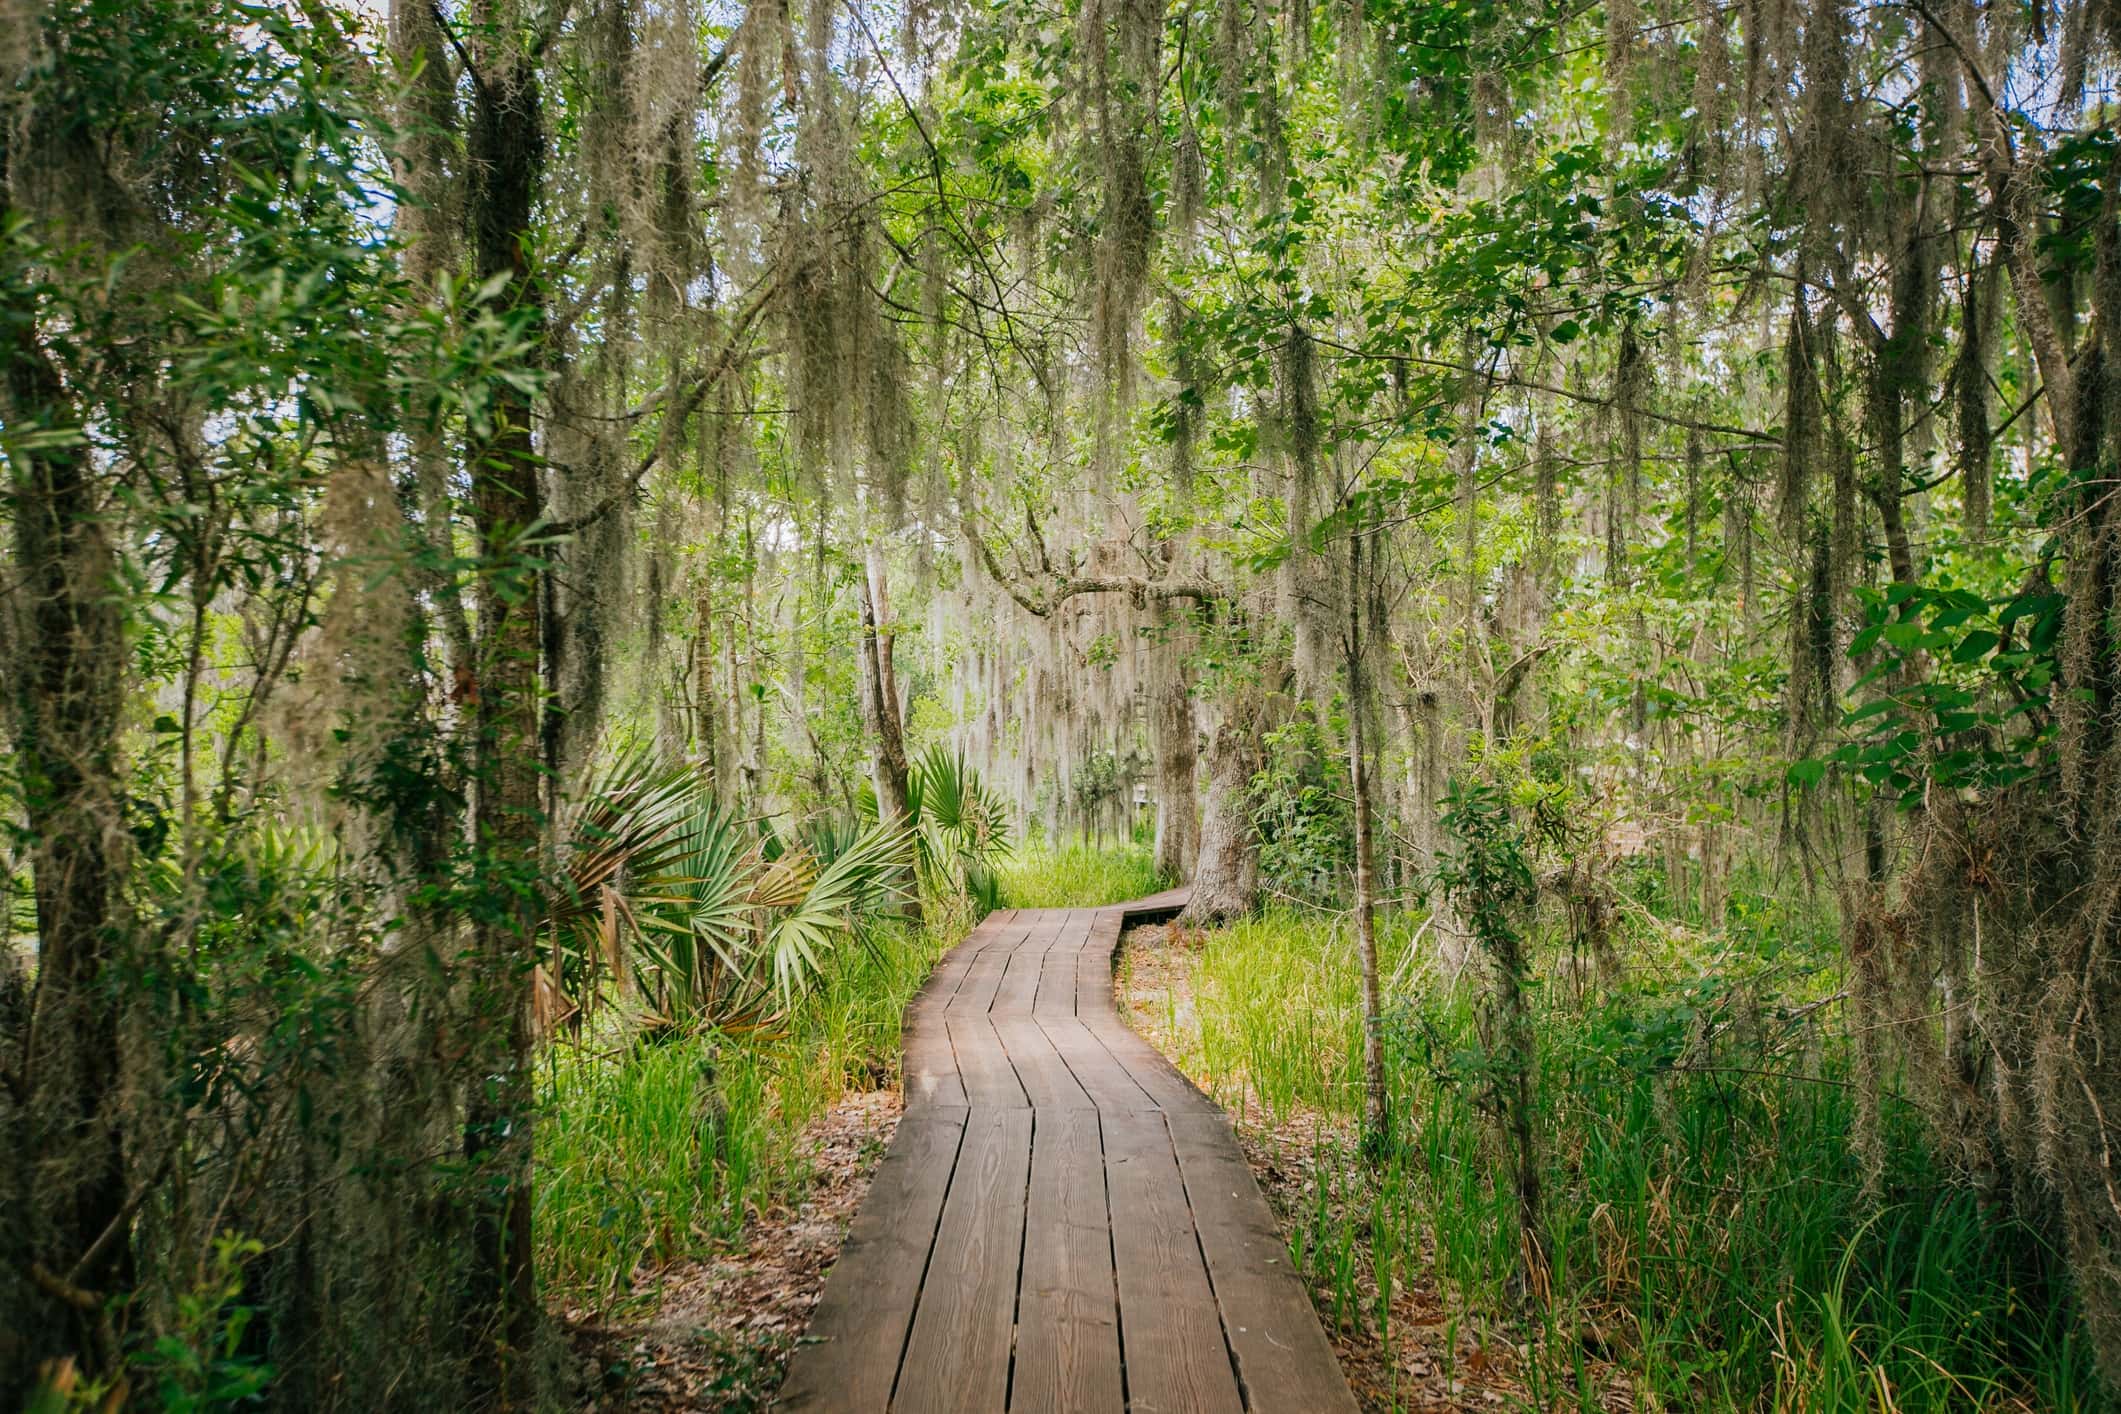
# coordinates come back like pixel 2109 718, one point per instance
pixel 464 455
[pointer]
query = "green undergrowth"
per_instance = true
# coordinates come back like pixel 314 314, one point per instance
pixel 650 1150
pixel 654 1149
pixel 1078 876
pixel 1715 1243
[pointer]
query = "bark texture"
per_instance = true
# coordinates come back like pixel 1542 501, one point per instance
pixel 1177 802
pixel 506 149
pixel 1226 882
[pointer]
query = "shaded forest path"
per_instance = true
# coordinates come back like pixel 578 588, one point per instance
pixel 1063 1222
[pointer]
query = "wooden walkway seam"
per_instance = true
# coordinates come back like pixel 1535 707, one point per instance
pixel 1063 1223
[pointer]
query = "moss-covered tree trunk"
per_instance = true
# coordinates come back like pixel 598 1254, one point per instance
pixel 1226 879
pixel 66 686
pixel 1177 759
pixel 506 158
pixel 1377 1114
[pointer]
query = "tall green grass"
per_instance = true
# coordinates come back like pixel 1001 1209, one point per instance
pixel 649 1150
pixel 658 1148
pixel 1711 1234
pixel 1078 876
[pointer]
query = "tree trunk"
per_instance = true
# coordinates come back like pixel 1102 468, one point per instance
pixel 880 717
pixel 706 709
pixel 1377 1116
pixel 1226 881
pixel 507 151
pixel 68 689
pixel 1177 803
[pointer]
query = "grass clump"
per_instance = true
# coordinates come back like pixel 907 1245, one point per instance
pixel 1715 1242
pixel 1078 876
pixel 663 1148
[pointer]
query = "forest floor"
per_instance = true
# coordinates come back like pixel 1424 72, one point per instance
pixel 1439 1357
pixel 719 1337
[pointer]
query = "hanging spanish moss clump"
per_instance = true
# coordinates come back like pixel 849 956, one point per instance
pixel 1801 417
pixel 1492 134
pixel 1809 695
pixel 634 150
pixel 1828 169
pixel 767 66
pixel 1230 57
pixel 1712 87
pixel 1271 168
pixel 1631 382
pixel 1738 538
pixel 667 98
pixel 1354 55
pixel 1623 24
pixel 1546 488
pixel 1309 601
pixel 362 651
pixel 1120 41
pixel 848 373
pixel 1186 410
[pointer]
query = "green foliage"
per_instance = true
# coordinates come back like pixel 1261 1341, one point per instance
pixel 1078 876
pixel 1958 694
pixel 1709 1238
pixel 960 826
pixel 665 1149
pixel 728 926
pixel 1302 808
pixel 199 1365
pixel 1485 873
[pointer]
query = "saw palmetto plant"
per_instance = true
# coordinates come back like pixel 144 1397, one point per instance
pixel 959 825
pixel 691 916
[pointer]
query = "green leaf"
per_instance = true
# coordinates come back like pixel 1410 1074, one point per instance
pixel 1806 773
pixel 1975 646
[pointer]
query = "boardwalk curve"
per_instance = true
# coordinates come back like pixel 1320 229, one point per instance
pixel 1063 1224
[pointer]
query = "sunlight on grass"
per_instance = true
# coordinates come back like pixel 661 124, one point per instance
pixel 1078 876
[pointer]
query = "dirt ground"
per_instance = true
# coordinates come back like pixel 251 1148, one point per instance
pixel 720 1338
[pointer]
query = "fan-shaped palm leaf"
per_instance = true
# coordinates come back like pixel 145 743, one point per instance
pixel 695 915
pixel 861 877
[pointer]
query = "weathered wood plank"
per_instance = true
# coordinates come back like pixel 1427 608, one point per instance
pixel 1170 1328
pixel 957 1357
pixel 1067 1356
pixel 1283 1359
pixel 1056 981
pixel 990 1081
pixel 984 977
pixel 1093 970
pixel 1044 1074
pixel 1019 982
pixel 1104 1079
pixel 851 1353
pixel 928 1065
pixel 1162 1081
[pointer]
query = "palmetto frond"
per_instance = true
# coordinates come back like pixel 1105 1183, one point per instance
pixel 714 920
pixel 861 878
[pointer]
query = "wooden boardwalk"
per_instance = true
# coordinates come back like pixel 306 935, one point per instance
pixel 1063 1222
